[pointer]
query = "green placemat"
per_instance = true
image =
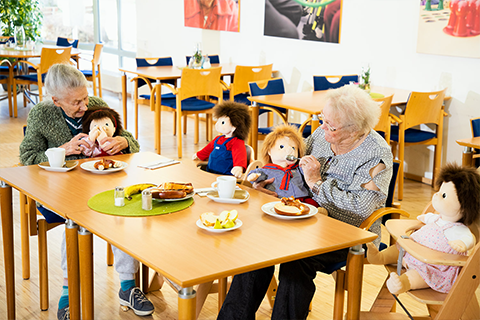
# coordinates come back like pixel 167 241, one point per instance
pixel 104 203
pixel 375 95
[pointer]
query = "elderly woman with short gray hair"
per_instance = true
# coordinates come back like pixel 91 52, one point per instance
pixel 58 123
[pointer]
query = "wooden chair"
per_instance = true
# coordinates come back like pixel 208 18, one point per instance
pixel 332 82
pixel 5 79
pixel 48 58
pixel 195 83
pixel 475 124
pixel 214 59
pixel 238 89
pixel 384 123
pixel 67 42
pixel 95 73
pixel 461 302
pixel 421 108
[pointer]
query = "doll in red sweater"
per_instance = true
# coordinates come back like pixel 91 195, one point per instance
pixel 226 154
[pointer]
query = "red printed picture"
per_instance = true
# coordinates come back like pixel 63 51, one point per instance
pixel 222 15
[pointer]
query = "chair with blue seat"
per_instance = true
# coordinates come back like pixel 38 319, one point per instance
pixel 332 82
pixel 66 42
pixel 238 89
pixel 48 57
pixel 95 72
pixel 384 125
pixel 475 124
pixel 214 59
pixel 195 83
pixel 422 108
pixel 5 79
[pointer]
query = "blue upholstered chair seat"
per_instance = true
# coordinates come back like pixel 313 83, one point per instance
pixel 88 73
pixel 30 77
pixel 4 69
pixel 190 104
pixel 412 135
pixel 164 96
pixel 3 77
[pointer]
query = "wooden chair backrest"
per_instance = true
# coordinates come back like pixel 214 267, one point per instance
pixel 200 82
pixel 245 74
pixel 51 56
pixel 423 107
pixel 266 87
pixel 97 54
pixel 384 120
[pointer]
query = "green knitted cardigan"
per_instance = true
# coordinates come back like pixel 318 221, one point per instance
pixel 47 128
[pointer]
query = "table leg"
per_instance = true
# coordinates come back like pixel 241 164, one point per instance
pixel 71 235
pixel 124 99
pixel 467 157
pixel 222 291
pixel 187 303
pixel 158 118
pixel 179 128
pixel 354 281
pixel 8 246
pixel 254 132
pixel 85 249
pixel 315 122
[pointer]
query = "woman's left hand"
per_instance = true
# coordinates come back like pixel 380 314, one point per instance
pixel 113 145
pixel 311 169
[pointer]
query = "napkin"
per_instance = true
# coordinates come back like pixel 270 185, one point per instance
pixel 158 163
pixel 202 192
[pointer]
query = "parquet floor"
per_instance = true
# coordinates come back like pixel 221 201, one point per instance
pixel 416 196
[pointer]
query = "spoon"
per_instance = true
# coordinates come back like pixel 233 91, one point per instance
pixel 291 157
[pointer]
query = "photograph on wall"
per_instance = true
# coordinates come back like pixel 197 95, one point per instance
pixel 317 20
pixel 450 28
pixel 222 15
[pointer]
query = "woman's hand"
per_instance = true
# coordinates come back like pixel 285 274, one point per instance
pixel 76 145
pixel 113 145
pixel 260 186
pixel 311 170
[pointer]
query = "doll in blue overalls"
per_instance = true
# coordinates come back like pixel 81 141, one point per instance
pixel 226 154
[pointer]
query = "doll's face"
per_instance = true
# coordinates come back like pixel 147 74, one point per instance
pixel 104 124
pixel 445 201
pixel 224 126
pixel 283 147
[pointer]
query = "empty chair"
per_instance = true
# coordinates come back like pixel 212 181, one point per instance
pixel 475 124
pixel 66 42
pixel 243 75
pixel 214 59
pixel 95 72
pixel 332 82
pixel 384 124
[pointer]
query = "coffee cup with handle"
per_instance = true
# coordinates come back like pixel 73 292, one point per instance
pixel 225 186
pixel 56 157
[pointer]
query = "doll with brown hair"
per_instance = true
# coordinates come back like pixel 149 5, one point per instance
pixel 100 123
pixel 283 141
pixel 457 204
pixel 226 154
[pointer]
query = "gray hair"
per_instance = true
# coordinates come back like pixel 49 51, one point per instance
pixel 63 77
pixel 354 107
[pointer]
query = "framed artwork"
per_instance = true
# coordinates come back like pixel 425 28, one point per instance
pixel 318 20
pixel 450 28
pixel 222 15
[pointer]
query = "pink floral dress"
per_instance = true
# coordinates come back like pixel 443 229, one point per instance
pixel 440 278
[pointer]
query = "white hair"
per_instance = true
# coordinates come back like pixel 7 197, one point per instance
pixel 63 77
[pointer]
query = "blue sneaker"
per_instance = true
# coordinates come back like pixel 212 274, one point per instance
pixel 135 299
pixel 63 314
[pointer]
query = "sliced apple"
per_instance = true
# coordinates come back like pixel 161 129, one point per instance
pixel 218 225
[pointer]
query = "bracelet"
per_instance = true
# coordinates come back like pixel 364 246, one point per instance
pixel 317 186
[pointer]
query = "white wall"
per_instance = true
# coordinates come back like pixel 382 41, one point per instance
pixel 379 33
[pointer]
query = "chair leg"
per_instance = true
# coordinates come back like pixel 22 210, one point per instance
pixel 185 124
pixel 135 105
pixel 25 236
pixel 15 99
pixel 174 122
pixel 94 82
pixel 339 295
pixel 109 255
pixel 272 292
pixel 43 263
pixel 99 76
pixel 197 128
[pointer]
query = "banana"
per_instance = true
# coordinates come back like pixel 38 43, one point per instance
pixel 137 188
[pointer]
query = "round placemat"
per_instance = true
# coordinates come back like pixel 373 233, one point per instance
pixel 104 203
pixel 375 95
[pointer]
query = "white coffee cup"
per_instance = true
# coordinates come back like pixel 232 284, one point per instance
pixel 56 157
pixel 225 186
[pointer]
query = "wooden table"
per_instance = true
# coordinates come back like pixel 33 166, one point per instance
pixel 310 102
pixel 161 73
pixel 171 244
pixel 469 144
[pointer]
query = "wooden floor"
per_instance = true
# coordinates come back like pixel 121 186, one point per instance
pixel 416 196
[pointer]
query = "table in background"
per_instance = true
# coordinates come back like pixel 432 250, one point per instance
pixel 176 248
pixel 467 155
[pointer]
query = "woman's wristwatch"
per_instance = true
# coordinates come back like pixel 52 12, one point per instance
pixel 316 187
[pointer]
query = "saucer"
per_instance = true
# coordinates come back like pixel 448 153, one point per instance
pixel 69 165
pixel 240 196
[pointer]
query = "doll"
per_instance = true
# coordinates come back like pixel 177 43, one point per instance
pixel 458 205
pixel 284 140
pixel 226 154
pixel 100 123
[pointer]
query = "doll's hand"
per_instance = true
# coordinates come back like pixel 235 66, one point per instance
pixel 253 177
pixel 102 134
pixel 237 171
pixel 194 157
pixel 113 145
pixel 421 218
pixel 93 135
pixel 76 145
pixel 260 186
pixel 458 245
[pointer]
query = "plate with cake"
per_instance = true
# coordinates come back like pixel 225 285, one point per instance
pixel 104 166
pixel 289 209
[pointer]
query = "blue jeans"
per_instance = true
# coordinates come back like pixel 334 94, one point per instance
pixel 295 288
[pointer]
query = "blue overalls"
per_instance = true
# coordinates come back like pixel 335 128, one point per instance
pixel 220 160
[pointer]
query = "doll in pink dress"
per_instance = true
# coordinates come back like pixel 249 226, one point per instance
pixel 458 205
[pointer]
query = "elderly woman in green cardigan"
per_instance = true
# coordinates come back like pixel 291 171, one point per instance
pixel 58 123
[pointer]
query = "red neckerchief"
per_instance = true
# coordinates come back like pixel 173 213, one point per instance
pixel 286 176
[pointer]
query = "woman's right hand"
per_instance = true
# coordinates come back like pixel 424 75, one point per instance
pixel 77 145
pixel 260 186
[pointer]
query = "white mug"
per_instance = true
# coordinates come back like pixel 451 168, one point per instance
pixel 225 185
pixel 56 157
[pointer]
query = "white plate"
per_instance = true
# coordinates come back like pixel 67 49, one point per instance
pixel 240 196
pixel 238 224
pixel 88 166
pixel 268 209
pixel 69 165
pixel 188 196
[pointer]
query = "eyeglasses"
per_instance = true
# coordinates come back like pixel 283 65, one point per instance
pixel 332 129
